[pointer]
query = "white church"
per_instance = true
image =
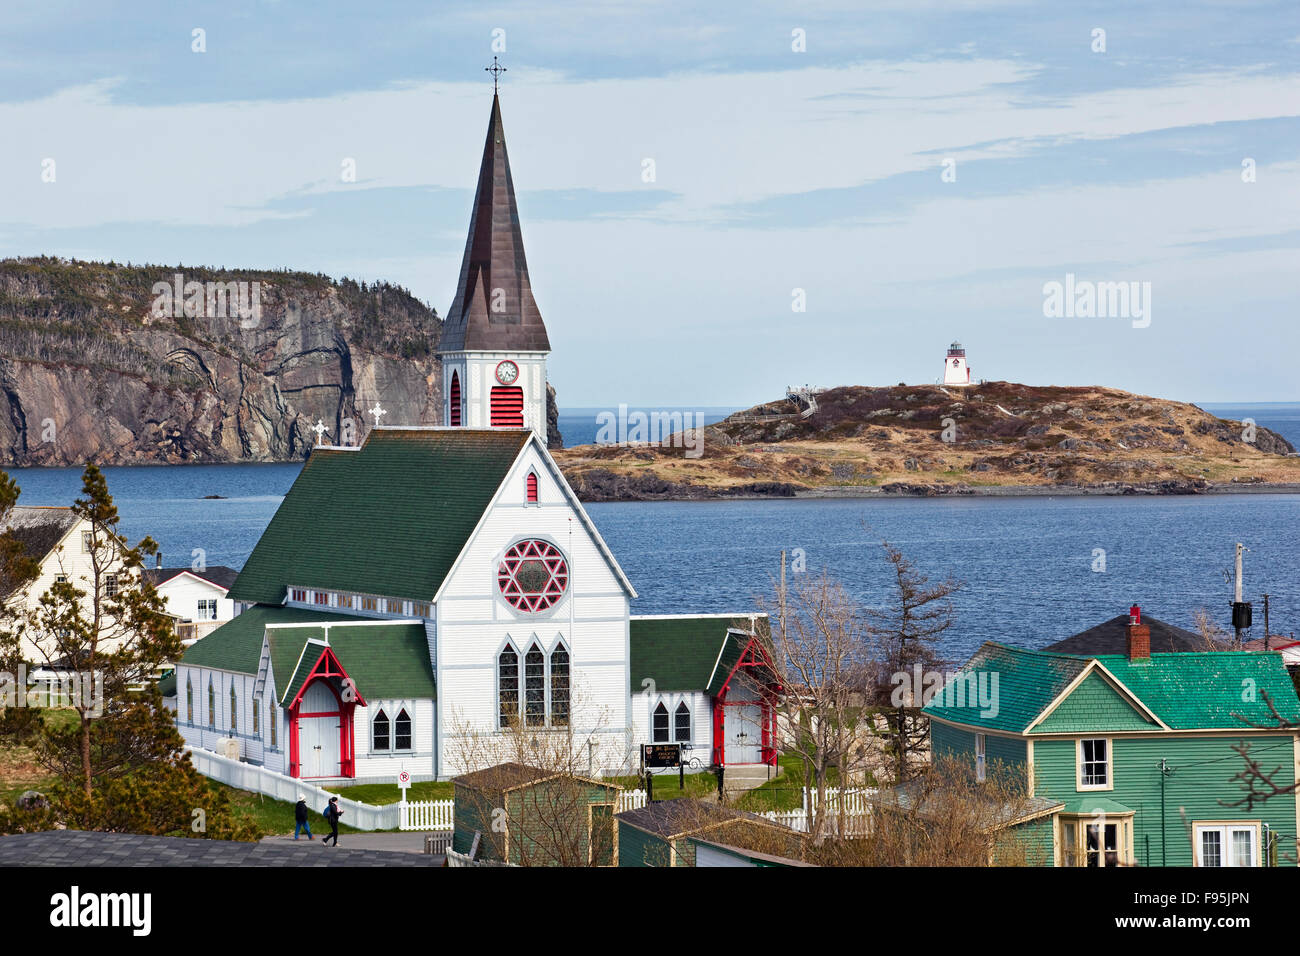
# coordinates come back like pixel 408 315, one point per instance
pixel 442 583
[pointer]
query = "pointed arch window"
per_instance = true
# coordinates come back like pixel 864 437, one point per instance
pixel 531 487
pixel 275 724
pixel 402 731
pixel 682 723
pixel 661 724
pixel 454 419
pixel 212 705
pixel 234 708
pixel 189 700
pixel 508 686
pixel 379 736
pixel 535 687
pixel 560 686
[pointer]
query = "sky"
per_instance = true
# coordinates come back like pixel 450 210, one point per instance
pixel 717 201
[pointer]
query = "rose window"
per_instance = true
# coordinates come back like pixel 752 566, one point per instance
pixel 533 575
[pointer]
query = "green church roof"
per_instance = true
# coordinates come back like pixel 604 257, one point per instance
pixel 237 644
pixel 1187 691
pixel 383 660
pixel 389 518
pixel 680 653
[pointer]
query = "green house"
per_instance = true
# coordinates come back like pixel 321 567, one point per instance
pixel 528 816
pixel 1140 749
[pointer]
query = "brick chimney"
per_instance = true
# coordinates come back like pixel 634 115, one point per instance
pixel 1139 636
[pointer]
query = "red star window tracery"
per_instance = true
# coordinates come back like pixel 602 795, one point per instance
pixel 533 575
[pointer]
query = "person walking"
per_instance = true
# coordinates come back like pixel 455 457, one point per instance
pixel 300 818
pixel 332 814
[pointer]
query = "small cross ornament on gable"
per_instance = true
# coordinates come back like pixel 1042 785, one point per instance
pixel 376 411
pixel 320 429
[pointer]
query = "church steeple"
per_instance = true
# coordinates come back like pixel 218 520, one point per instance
pixel 494 308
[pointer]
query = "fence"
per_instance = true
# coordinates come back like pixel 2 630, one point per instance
pixel 247 776
pixel 426 815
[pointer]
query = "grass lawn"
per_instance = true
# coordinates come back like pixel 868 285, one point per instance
pixel 382 794
pixel 698 785
pixel 273 816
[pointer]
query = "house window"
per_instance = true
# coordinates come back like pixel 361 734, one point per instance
pixel 379 739
pixel 1091 841
pixel 531 485
pixel 110 585
pixel 60 579
pixel 257 717
pixel 661 724
pixel 208 610
pixel 1227 844
pixel 234 708
pixel 508 686
pixel 560 686
pixel 1094 764
pixel 212 705
pixel 275 725
pixel 682 718
pixel 87 542
pixel 534 687
pixel 980 763
pixel 402 731
pixel 189 701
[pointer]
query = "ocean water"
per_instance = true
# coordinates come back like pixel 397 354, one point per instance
pixel 579 426
pixel 1026 563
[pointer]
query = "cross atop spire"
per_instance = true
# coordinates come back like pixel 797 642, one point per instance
pixel 496 69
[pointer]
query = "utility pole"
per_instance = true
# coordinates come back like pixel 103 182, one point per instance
pixel 781 609
pixel 1238 607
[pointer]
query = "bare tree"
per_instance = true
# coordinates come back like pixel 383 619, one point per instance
pixel 946 816
pixel 821 653
pixel 532 791
pixel 905 635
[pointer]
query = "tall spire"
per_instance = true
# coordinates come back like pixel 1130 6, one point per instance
pixel 494 309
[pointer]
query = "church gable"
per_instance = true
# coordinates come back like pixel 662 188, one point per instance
pixel 1095 705
pixel 389 518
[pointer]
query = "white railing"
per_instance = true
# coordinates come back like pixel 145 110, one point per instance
pixel 427 815
pixel 247 776
pixel 631 800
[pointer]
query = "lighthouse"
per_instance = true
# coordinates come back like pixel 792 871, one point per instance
pixel 955 369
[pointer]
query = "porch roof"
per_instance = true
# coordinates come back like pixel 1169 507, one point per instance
pixel 383 660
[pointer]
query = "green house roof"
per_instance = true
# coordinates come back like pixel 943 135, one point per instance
pixel 1027 681
pixel 237 644
pixel 1221 690
pixel 680 653
pixel 383 660
pixel 389 518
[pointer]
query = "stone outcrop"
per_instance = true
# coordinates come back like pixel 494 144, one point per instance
pixel 96 364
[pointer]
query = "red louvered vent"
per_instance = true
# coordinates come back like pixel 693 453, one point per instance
pixel 532 486
pixel 455 400
pixel 507 407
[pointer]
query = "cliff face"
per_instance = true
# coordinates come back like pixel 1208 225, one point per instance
pixel 98 364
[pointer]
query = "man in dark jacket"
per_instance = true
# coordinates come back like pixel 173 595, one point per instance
pixel 300 818
pixel 332 814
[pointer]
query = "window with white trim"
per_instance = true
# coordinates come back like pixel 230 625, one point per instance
pixel 274 726
pixel 1094 764
pixel 189 701
pixel 661 724
pixel 682 723
pixel 508 686
pixel 1095 840
pixel 212 705
pixel 379 736
pixel 1227 844
pixel 560 686
pixel 234 708
pixel 402 730
pixel 534 687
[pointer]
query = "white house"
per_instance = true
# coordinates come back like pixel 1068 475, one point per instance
pixel 441 585
pixel 196 598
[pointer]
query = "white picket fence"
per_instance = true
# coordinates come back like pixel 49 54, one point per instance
pixel 434 815
pixel 857 809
